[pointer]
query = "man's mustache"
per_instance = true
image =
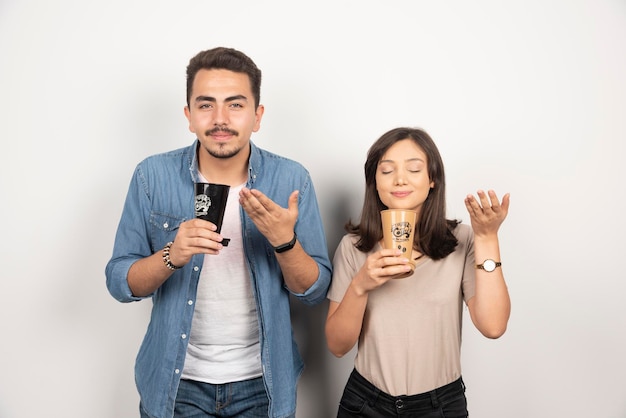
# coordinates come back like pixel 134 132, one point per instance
pixel 221 129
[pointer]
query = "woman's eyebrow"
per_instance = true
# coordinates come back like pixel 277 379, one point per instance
pixel 408 159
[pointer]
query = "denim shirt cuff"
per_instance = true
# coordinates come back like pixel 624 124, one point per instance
pixel 121 290
pixel 315 293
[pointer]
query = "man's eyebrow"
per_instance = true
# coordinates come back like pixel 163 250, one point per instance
pixel 228 99
pixel 205 99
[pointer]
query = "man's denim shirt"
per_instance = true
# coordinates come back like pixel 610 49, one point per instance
pixel 161 197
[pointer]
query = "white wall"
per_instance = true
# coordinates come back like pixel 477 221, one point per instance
pixel 527 98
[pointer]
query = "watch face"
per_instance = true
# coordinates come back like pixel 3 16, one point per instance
pixel 489 265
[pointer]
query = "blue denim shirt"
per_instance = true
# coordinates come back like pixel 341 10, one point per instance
pixel 160 198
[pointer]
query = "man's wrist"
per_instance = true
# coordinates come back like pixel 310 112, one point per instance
pixel 166 257
pixel 288 245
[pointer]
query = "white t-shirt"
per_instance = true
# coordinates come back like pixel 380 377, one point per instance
pixel 224 340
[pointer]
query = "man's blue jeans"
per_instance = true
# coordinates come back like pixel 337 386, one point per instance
pixel 245 399
pixel 362 399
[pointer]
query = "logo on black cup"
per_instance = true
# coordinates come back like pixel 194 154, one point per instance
pixel 203 203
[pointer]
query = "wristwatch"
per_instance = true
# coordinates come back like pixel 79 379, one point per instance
pixel 489 265
pixel 288 246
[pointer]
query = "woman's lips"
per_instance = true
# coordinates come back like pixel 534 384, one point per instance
pixel 400 194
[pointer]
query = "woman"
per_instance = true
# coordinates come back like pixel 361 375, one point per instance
pixel 409 330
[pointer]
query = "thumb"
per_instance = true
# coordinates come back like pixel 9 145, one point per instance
pixel 506 200
pixel 293 201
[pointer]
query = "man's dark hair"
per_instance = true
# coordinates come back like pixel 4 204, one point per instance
pixel 225 59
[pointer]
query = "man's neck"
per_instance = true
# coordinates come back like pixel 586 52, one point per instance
pixel 232 171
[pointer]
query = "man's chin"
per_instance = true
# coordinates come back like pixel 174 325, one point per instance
pixel 223 151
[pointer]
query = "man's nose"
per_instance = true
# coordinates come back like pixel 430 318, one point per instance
pixel 220 115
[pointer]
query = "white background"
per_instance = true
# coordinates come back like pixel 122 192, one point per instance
pixel 526 97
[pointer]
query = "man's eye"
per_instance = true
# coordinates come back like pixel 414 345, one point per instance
pixel 204 106
pixel 237 105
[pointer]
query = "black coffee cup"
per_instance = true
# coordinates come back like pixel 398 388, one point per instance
pixel 210 204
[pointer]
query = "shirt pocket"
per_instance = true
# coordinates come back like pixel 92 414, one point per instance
pixel 164 228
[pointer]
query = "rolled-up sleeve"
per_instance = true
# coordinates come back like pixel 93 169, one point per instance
pixel 131 240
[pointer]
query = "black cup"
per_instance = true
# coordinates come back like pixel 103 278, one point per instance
pixel 210 204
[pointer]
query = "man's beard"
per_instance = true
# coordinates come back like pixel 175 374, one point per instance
pixel 222 150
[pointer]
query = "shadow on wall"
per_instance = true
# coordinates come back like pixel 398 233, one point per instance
pixel 322 382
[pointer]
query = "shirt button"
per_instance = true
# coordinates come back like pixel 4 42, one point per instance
pixel 165 225
pixel 190 302
pixel 176 371
pixel 183 336
pixel 195 268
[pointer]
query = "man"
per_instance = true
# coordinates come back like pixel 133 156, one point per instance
pixel 219 342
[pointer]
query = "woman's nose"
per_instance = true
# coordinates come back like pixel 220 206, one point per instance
pixel 399 179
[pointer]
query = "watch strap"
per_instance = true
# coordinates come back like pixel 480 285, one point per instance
pixel 287 246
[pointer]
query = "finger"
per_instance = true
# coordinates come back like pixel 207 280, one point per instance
pixel 246 195
pixel 249 201
pixel 267 203
pixel 506 200
pixel 484 199
pixel 472 205
pixel 386 273
pixel 495 202
pixel 389 252
pixel 395 260
pixel 203 224
pixel 194 230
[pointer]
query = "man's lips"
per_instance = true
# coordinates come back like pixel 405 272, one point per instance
pixel 221 134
